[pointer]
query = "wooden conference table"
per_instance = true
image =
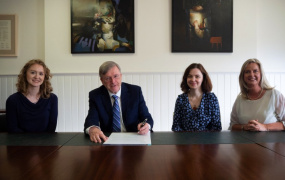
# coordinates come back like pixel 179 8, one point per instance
pixel 196 155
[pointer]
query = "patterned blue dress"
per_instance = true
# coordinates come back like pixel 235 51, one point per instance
pixel 205 118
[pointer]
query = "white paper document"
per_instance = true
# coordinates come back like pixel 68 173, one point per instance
pixel 128 138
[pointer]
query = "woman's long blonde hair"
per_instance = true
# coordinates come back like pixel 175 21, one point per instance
pixel 264 84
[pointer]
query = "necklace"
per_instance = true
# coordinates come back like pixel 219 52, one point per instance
pixel 195 101
pixel 256 97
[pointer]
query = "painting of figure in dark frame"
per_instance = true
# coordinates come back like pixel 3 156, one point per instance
pixel 202 25
pixel 102 26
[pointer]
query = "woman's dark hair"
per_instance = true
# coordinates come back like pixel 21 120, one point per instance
pixel 206 84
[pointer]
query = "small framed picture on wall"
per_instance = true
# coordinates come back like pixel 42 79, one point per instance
pixel 102 26
pixel 8 35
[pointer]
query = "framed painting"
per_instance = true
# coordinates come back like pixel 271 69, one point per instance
pixel 102 26
pixel 202 25
pixel 8 35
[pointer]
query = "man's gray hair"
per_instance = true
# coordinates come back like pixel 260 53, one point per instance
pixel 106 66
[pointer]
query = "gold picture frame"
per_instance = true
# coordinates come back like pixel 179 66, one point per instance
pixel 8 35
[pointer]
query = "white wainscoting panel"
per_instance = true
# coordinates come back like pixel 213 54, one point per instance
pixel 160 91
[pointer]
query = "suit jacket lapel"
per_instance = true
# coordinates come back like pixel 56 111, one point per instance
pixel 124 100
pixel 106 101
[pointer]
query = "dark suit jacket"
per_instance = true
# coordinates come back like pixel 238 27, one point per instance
pixel 133 108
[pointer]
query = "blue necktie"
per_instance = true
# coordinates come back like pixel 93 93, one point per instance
pixel 116 115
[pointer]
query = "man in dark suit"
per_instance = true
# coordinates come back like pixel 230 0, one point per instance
pixel 124 113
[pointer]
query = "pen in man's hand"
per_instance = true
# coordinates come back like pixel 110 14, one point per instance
pixel 143 123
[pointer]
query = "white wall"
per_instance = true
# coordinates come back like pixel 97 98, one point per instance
pixel 152 41
pixel 44 32
pixel 30 33
pixel 270 32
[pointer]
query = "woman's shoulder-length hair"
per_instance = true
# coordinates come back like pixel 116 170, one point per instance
pixel 206 84
pixel 45 87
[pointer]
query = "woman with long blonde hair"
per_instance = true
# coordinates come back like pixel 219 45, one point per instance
pixel 258 107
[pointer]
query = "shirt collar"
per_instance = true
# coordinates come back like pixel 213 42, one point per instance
pixel 117 94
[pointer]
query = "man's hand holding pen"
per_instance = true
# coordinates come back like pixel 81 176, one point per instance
pixel 143 127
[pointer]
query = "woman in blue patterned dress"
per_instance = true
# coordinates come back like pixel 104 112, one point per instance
pixel 197 109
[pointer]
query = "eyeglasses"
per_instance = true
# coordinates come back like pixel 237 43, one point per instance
pixel 108 79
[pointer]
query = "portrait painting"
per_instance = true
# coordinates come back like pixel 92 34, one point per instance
pixel 102 26
pixel 202 25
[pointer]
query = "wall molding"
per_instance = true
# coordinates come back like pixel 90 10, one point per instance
pixel 160 91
